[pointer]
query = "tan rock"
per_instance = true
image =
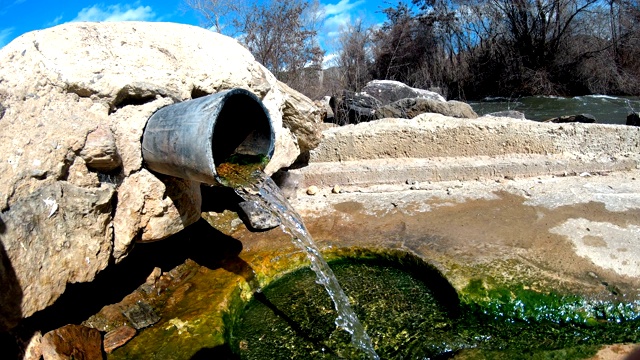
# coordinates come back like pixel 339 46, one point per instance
pixel 74 102
pixel 155 217
pixel 99 151
pixel 302 117
pixel 72 342
pixel 33 351
pixel 60 233
pixel 80 175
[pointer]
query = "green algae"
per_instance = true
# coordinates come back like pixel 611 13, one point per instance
pixel 515 301
pixel 407 316
pixel 240 170
pixel 194 315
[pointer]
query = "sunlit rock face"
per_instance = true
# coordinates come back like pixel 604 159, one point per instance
pixel 75 99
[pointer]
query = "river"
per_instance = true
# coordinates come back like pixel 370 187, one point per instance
pixel 606 109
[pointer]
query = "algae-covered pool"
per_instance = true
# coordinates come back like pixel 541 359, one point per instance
pixel 410 312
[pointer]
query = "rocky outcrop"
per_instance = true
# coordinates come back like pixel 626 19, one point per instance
pixel 74 100
pixel 355 108
pixel 412 107
pixel 381 99
pixel 388 91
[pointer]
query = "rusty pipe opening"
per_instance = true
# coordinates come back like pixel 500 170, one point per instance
pixel 191 138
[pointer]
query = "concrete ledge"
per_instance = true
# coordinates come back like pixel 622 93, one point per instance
pixel 434 135
pixel 432 147
pixel 403 171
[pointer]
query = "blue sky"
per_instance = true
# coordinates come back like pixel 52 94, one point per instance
pixel 20 16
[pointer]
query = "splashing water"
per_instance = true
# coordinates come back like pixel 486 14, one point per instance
pixel 252 184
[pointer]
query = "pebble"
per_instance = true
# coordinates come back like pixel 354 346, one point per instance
pixel 336 189
pixel 312 190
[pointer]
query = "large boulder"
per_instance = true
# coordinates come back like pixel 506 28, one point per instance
pixel 74 101
pixel 355 108
pixel 381 99
pixel 388 91
pixel 411 107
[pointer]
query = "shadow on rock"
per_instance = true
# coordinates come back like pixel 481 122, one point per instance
pixel 222 352
pixel 10 300
pixel 198 242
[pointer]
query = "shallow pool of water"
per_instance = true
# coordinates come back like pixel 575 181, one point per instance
pixel 410 312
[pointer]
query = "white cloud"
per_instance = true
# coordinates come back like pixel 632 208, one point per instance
pixel 329 60
pixel 116 12
pixel 336 18
pixel 338 21
pixel 341 7
pixel 4 36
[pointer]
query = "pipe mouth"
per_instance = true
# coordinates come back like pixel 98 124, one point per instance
pixel 243 127
pixel 192 138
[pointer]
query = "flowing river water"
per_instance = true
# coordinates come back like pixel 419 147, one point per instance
pixel 245 176
pixel 606 109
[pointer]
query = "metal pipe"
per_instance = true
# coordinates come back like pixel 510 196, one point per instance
pixel 191 138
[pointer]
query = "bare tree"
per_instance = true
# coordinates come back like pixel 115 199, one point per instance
pixel 219 15
pixel 354 57
pixel 281 34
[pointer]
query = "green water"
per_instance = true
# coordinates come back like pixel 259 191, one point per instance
pixel 606 109
pixel 408 315
pixel 244 174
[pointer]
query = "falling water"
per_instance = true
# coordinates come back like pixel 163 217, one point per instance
pixel 252 184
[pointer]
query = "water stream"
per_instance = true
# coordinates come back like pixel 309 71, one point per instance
pixel 246 177
pixel 606 109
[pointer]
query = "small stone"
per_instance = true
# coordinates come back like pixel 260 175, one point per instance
pixel 118 337
pixel 150 284
pixel 100 152
pixel 153 277
pixel 312 190
pixel 258 217
pixel 72 342
pixel 336 189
